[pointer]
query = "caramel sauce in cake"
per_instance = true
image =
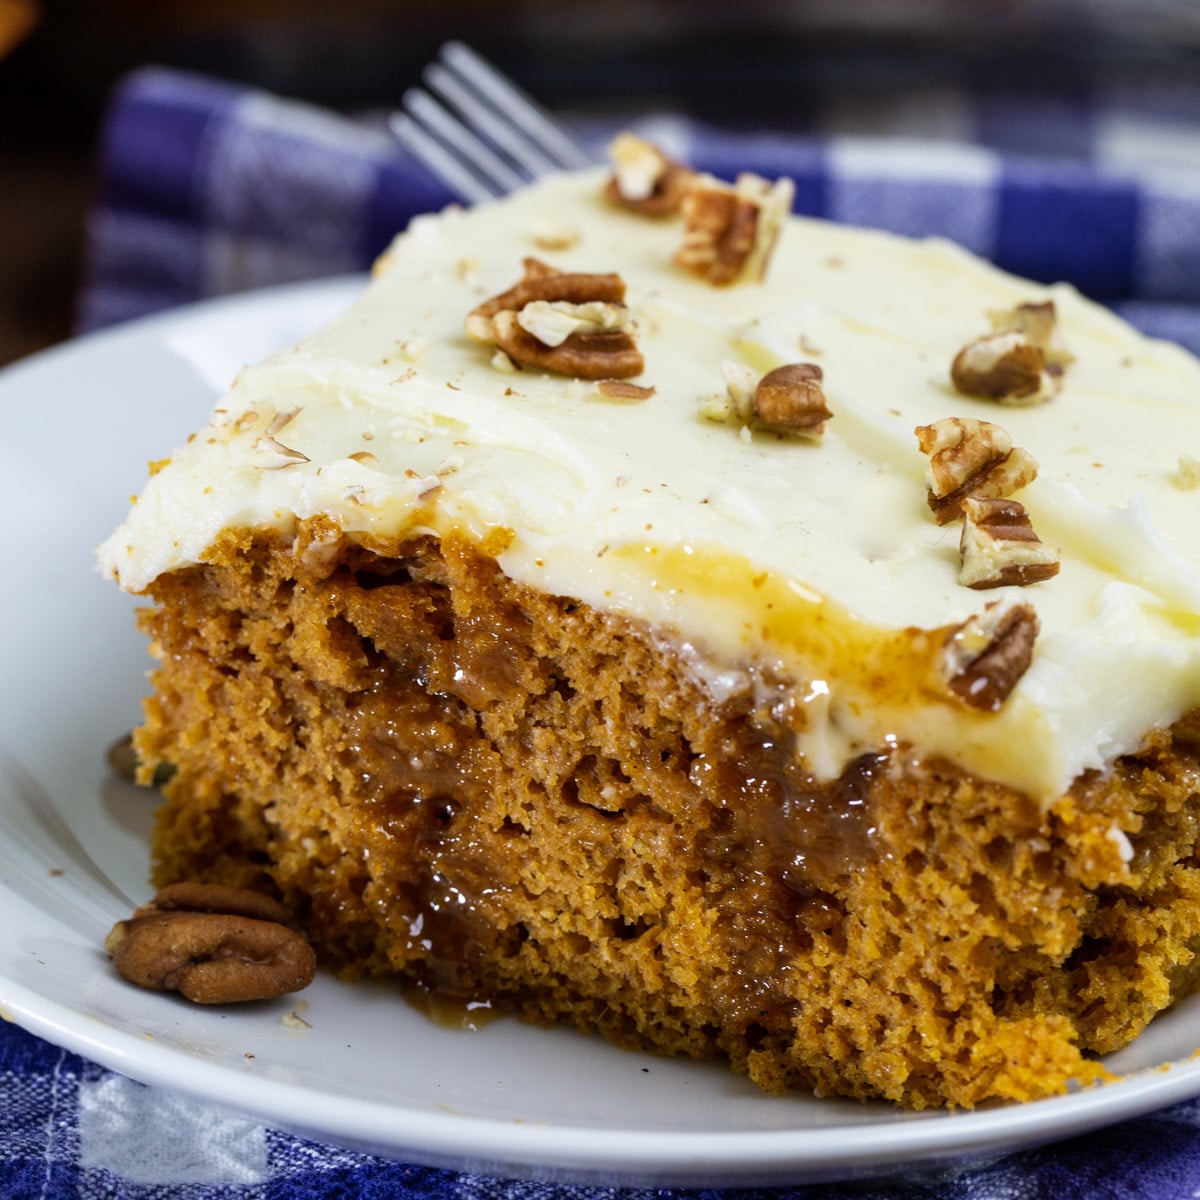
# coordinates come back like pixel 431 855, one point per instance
pixel 894 667
pixel 418 770
pixel 502 796
pixel 786 848
pixel 856 687
pixel 781 822
pixel 424 773
pixel 786 842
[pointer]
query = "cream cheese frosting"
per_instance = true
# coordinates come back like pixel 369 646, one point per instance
pixel 817 560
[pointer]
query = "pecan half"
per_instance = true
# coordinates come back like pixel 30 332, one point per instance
pixel 571 323
pixel 190 896
pixel 1000 548
pixel 731 231
pixel 1006 367
pixel 968 457
pixel 984 658
pixel 790 399
pixel 215 945
pixel 644 179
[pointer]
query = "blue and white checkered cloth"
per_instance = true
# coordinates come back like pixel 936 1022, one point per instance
pixel 74 1131
pixel 206 188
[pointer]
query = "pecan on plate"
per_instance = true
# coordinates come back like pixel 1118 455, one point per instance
pixel 730 231
pixel 125 762
pixel 571 323
pixel 983 659
pixel 644 179
pixel 968 457
pixel 1000 548
pixel 213 944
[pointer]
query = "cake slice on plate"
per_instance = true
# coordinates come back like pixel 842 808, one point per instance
pixel 733 633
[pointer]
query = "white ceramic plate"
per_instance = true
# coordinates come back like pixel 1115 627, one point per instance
pixel 356 1065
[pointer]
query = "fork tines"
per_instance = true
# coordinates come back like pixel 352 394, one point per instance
pixel 482 136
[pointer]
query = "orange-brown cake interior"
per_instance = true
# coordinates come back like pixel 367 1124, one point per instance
pixel 505 795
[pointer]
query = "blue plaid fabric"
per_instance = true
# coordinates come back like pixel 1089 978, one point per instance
pixel 206 188
pixel 74 1131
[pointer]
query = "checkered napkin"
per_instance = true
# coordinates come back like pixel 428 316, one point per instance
pixel 74 1131
pixel 207 189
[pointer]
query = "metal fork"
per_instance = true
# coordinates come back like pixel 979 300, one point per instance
pixel 483 137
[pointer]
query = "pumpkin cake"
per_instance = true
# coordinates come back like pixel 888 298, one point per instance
pixel 732 633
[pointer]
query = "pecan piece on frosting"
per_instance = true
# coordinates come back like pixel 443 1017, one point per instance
pixel 731 231
pixel 984 658
pixel 1000 548
pixel 1038 323
pixel 626 393
pixel 1007 368
pixel 1020 362
pixel 213 944
pixel 644 179
pixel 968 457
pixel 568 322
pixel 790 399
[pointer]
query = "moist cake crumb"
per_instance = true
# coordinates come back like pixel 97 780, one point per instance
pixel 655 694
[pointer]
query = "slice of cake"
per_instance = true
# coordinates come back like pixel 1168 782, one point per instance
pixel 735 634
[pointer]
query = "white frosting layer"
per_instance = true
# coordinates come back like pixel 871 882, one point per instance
pixel 749 546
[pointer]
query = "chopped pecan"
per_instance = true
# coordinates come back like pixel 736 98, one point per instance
pixel 730 232
pixel 968 457
pixel 618 389
pixel 983 658
pixel 999 546
pixel 736 406
pixel 548 235
pixel 572 323
pixel 215 945
pixel 611 355
pixel 1186 475
pixel 1038 322
pixel 540 281
pixel 644 179
pixel 790 399
pixel 553 322
pixel 1006 367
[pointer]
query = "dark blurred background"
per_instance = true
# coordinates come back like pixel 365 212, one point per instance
pixel 750 61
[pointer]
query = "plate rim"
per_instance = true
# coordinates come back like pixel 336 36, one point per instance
pixel 629 1157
